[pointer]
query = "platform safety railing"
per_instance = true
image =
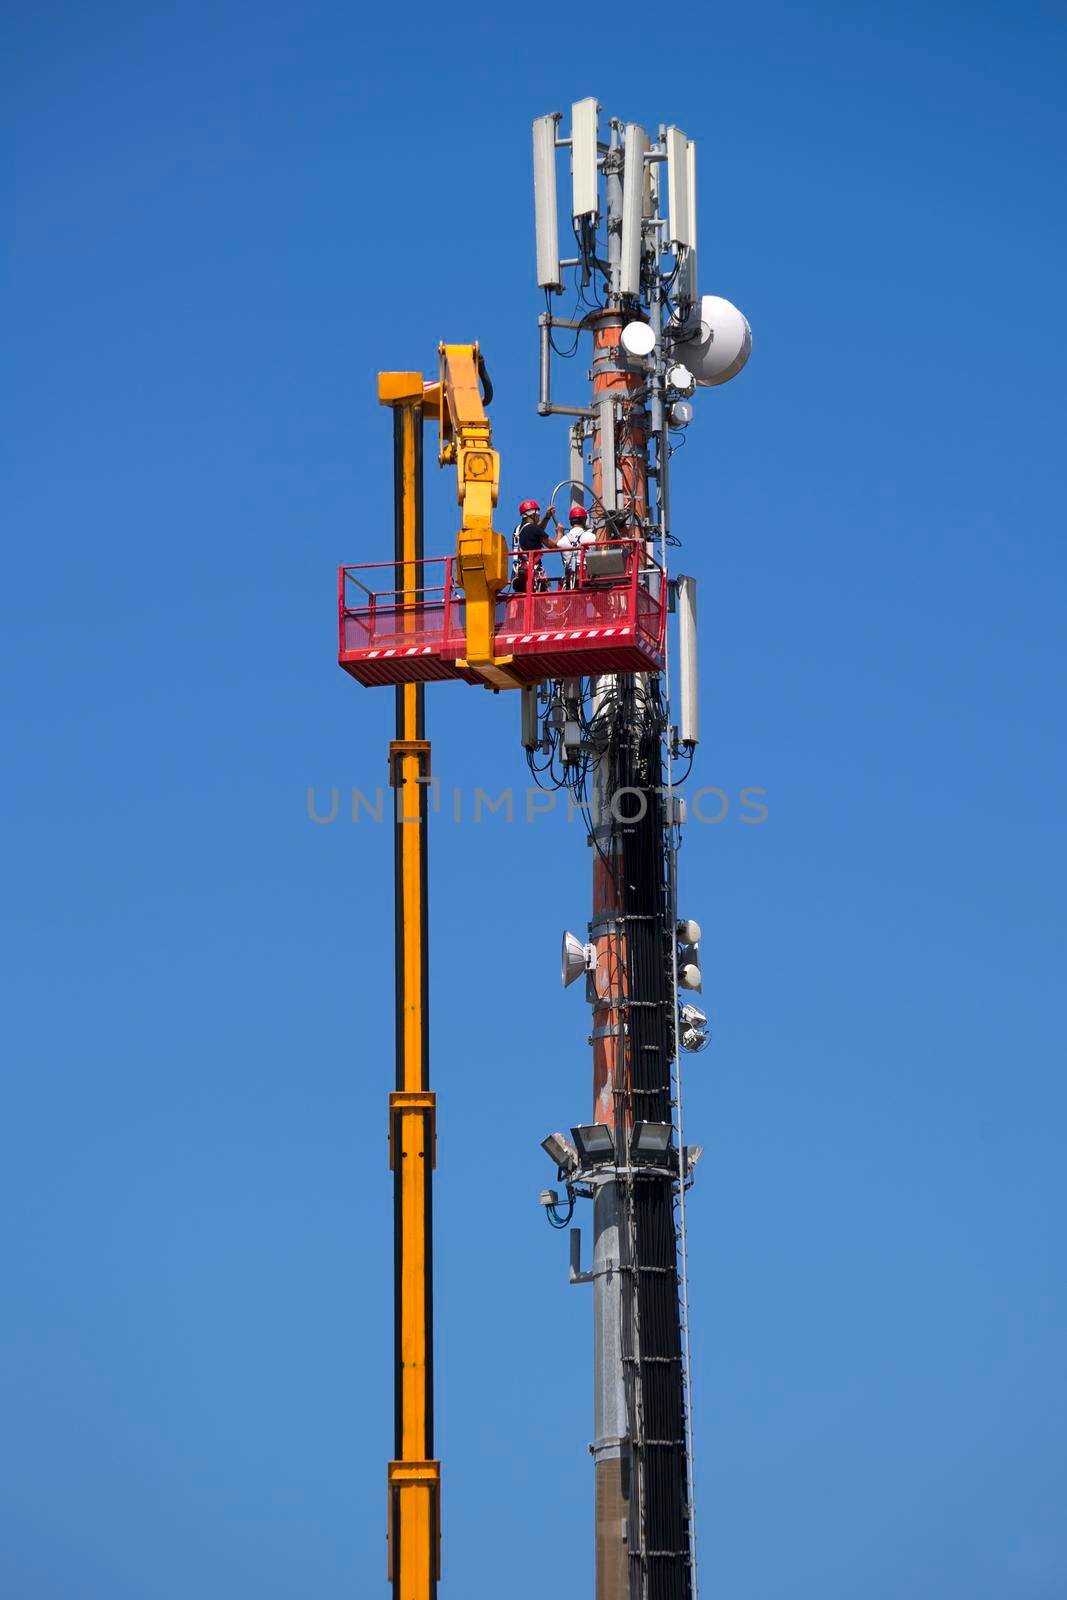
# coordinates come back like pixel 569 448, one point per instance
pixel 572 594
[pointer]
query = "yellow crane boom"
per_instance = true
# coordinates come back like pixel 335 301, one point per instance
pixel 459 399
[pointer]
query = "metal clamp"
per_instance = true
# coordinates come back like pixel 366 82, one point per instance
pixel 398 748
pixel 407 1475
pixel 576 1275
pixel 418 1103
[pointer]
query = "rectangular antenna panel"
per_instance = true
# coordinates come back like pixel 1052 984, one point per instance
pixel 687 277
pixel 584 128
pixel 634 184
pixel 549 275
pixel 609 487
pixel 689 705
pixel 679 200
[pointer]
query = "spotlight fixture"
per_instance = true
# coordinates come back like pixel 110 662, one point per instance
pixel 693 1017
pixel 650 1139
pixel 560 1150
pixel 595 1142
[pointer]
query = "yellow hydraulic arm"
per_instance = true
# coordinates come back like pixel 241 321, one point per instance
pixel 481 552
pixel 466 440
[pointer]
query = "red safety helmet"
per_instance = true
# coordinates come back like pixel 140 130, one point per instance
pixel 528 505
pixel 579 514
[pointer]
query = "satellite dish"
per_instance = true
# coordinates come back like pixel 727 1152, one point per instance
pixel 575 958
pixel 689 976
pixel 681 413
pixel 638 339
pixel 715 341
pixel 689 931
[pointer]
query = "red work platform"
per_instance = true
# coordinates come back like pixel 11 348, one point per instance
pixel 608 617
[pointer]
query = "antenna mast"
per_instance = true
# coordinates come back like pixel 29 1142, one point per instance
pixel 654 340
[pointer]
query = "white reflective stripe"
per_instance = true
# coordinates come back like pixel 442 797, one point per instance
pixel 608 631
pixel 371 654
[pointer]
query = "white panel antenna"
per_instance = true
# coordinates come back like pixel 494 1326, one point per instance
pixel 687 276
pixel 679 200
pixel 634 199
pixel 585 125
pixel 549 275
pixel 652 205
pixel 689 719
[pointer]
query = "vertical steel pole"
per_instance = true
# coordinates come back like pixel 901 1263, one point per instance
pixel 620 483
pixel 414 1476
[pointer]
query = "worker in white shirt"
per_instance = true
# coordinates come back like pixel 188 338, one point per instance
pixel 571 540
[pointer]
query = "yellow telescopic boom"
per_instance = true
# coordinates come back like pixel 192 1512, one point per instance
pixel 414 1477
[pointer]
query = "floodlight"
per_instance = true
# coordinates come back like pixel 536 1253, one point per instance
pixel 549 275
pixel 595 1142
pixel 693 1039
pixel 650 1139
pixel 559 1148
pixel 638 339
pixel 689 975
pixel 688 931
pixel 693 1017
pixel 575 958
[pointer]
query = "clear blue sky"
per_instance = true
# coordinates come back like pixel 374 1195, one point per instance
pixel 227 218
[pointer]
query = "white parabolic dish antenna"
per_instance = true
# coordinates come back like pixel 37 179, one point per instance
pixel 716 341
pixel 638 339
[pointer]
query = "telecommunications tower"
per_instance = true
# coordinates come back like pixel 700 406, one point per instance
pixel 616 739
